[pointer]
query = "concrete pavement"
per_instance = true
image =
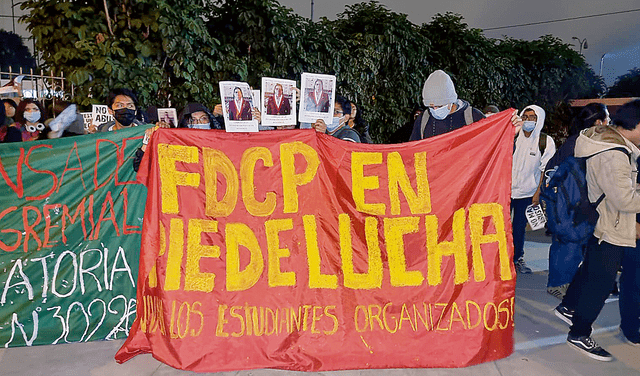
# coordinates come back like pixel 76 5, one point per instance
pixel 540 344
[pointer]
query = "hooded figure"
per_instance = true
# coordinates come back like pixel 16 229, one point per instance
pixel 445 111
pixel 530 156
pixel 528 160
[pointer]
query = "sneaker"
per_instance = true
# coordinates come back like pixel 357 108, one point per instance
pixel 558 291
pixel 629 341
pixel 521 267
pixel 565 314
pixel 589 347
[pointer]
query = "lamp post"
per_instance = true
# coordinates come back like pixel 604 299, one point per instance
pixel 583 43
pixel 602 63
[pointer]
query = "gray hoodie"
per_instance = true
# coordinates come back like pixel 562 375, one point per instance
pixel 613 173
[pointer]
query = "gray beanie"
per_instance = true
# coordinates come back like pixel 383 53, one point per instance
pixel 438 90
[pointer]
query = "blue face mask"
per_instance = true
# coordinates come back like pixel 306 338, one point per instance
pixel 440 113
pixel 529 126
pixel 200 126
pixel 337 120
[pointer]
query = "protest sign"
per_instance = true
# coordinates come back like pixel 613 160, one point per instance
pixel 237 107
pixel 317 98
pixel 299 251
pixel 100 114
pixel 70 219
pixel 278 102
pixel 87 117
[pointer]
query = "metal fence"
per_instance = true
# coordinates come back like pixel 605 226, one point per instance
pixel 43 87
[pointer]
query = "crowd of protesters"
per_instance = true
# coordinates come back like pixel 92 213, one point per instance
pixel 579 274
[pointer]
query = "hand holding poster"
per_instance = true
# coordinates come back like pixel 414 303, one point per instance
pixel 318 97
pixel 298 251
pixel 237 107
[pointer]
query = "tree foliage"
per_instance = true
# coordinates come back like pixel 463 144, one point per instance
pixel 627 85
pixel 178 51
pixel 14 54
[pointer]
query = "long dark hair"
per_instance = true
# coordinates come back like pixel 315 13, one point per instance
pixel 22 106
pixel 587 117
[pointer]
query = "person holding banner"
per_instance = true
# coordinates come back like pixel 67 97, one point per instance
pixel 123 105
pixel 445 111
pixel 339 128
pixel 532 150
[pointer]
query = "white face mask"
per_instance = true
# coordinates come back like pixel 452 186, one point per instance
pixel 440 113
pixel 32 117
pixel 529 126
pixel 337 120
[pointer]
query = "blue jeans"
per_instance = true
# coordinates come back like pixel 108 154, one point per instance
pixel 519 224
pixel 630 293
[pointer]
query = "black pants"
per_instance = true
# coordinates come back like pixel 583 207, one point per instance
pixel 592 284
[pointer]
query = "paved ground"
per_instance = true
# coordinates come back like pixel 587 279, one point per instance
pixel 539 336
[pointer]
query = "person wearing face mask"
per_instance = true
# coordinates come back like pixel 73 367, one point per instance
pixel 339 127
pixel 29 122
pixel 445 111
pixel 531 152
pixel 193 116
pixel 123 105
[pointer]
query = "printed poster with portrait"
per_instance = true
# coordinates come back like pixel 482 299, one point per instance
pixel 169 116
pixel 278 102
pixel 318 97
pixel 237 107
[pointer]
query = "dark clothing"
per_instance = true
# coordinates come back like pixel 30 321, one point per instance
pixel 519 207
pixel 630 293
pixel 347 134
pixel 242 113
pixel 450 123
pixel 592 284
pixel 274 109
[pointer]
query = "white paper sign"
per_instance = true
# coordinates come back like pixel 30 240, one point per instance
pixel 86 119
pixel 535 216
pixel 318 97
pixel 278 102
pixel 169 116
pixel 100 114
pixel 237 107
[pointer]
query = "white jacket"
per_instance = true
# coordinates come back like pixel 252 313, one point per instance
pixel 528 163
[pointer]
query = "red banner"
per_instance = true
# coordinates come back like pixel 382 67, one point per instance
pixel 296 250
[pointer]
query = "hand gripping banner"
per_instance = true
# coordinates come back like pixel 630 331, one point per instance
pixel 296 250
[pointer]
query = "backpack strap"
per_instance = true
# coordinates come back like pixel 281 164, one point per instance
pixel 468 115
pixel 423 123
pixel 542 142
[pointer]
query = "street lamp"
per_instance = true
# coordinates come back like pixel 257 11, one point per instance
pixel 583 43
pixel 602 62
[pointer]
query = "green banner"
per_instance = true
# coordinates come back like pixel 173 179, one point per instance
pixel 70 223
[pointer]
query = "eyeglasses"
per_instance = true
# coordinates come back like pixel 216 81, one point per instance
pixel 338 112
pixel 200 120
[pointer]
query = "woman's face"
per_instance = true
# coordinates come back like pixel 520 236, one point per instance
pixel 9 110
pixel 30 108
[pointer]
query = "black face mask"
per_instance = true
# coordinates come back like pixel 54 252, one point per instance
pixel 124 116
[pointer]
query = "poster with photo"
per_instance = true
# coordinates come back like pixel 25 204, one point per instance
pixel 318 97
pixel 169 116
pixel 237 107
pixel 278 102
